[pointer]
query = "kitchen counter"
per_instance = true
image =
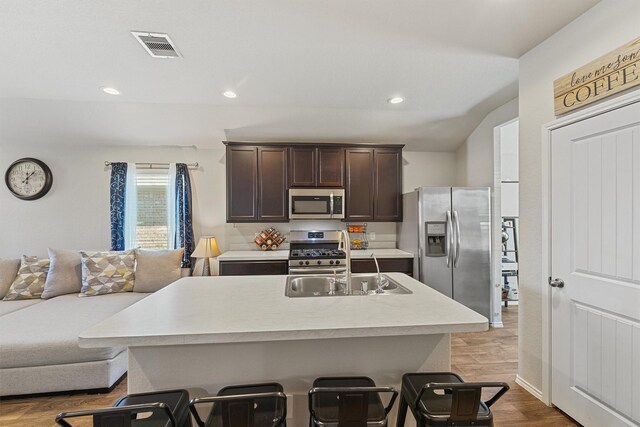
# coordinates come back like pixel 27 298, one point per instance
pixel 284 255
pixel 208 332
pixel 254 255
pixel 198 310
pixel 381 253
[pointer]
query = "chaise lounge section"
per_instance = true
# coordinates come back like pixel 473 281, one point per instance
pixel 40 325
pixel 39 350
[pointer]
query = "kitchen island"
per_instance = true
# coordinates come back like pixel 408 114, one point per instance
pixel 208 332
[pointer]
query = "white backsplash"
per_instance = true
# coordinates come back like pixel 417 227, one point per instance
pixel 239 237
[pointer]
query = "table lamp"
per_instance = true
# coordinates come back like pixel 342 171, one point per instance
pixel 207 248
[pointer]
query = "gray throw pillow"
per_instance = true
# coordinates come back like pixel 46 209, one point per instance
pixel 107 272
pixel 8 272
pixel 157 269
pixel 29 283
pixel 65 273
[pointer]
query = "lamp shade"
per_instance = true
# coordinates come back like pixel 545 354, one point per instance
pixel 207 248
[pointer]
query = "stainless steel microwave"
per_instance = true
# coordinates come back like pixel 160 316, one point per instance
pixel 316 203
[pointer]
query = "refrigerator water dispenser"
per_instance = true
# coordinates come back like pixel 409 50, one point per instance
pixel 436 238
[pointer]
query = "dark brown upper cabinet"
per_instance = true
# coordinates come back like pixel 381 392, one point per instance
pixel 330 167
pixel 259 176
pixel 273 201
pixel 359 191
pixel 257 184
pixel 316 166
pixel 374 184
pixel 242 184
pixel 387 205
pixel 303 163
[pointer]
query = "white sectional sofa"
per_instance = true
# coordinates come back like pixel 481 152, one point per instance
pixel 39 350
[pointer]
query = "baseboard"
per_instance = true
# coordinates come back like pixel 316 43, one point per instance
pixel 531 389
pixel 497 325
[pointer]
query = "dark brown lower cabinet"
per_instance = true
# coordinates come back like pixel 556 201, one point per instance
pixel 253 268
pixel 387 265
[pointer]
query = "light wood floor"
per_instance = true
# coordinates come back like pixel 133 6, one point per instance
pixel 486 356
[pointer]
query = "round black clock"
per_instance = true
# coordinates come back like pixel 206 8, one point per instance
pixel 28 179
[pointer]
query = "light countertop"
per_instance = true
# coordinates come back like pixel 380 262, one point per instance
pixel 284 255
pixel 381 253
pixel 204 310
pixel 254 255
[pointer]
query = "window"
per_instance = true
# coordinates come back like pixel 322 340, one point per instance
pixel 151 227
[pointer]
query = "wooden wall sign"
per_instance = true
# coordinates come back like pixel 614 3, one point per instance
pixel 612 73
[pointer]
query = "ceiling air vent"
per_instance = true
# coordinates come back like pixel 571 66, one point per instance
pixel 157 45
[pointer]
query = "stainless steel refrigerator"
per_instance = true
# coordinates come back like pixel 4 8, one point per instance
pixel 449 229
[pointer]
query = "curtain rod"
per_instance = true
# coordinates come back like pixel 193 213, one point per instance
pixel 156 165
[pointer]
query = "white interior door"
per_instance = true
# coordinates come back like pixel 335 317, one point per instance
pixel 595 187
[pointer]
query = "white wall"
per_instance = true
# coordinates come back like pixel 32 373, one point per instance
pixel 428 169
pixel 603 28
pixel 509 166
pixel 474 158
pixel 75 213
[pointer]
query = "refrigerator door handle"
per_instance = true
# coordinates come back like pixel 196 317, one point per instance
pixel 449 242
pixel 457 249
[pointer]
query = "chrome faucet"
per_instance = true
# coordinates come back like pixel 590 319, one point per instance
pixel 345 245
pixel 379 281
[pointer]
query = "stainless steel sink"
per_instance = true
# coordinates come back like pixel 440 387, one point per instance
pixel 326 286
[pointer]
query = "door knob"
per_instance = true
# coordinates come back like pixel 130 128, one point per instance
pixel 557 283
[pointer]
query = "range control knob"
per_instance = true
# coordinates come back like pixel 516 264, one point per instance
pixel 319 262
pixel 331 262
pixel 337 262
pixel 300 262
pixel 306 263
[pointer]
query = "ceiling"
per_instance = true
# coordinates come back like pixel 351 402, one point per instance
pixel 318 71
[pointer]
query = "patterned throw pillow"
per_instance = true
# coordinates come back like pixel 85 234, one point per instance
pixel 107 272
pixel 29 282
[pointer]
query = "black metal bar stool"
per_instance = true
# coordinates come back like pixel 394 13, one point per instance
pixel 348 402
pixel 253 405
pixel 153 409
pixel 444 399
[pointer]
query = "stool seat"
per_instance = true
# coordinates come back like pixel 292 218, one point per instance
pixel 348 401
pixel 176 400
pixel 251 405
pixel 160 409
pixel 444 399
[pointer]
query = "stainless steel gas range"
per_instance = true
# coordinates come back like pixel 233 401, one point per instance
pixel 316 252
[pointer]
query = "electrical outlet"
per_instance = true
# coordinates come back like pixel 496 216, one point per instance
pixel 372 235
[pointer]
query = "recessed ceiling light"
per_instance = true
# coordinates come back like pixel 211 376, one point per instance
pixel 110 90
pixel 395 100
pixel 230 94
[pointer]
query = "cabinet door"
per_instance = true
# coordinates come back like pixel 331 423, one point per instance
pixel 302 166
pixel 388 184
pixel 253 268
pixel 272 184
pixel 359 184
pixel 242 184
pixel 330 167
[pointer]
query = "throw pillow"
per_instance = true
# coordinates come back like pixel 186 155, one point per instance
pixel 157 269
pixel 65 273
pixel 8 272
pixel 107 272
pixel 29 283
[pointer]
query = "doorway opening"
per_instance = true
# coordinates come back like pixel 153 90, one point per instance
pixel 506 216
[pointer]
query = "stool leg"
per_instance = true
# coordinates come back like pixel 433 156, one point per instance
pixel 402 411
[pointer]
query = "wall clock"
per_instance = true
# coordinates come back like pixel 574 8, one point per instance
pixel 28 179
